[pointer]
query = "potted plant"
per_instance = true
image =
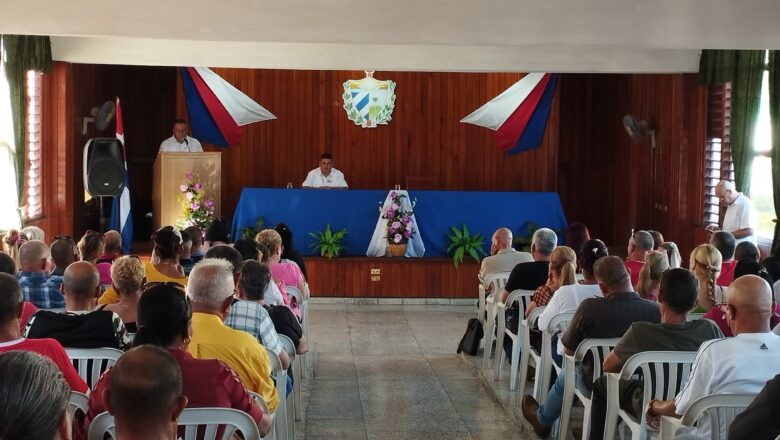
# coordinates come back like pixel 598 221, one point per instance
pixel 197 210
pixel 399 223
pixel 462 244
pixel 252 231
pixel 328 243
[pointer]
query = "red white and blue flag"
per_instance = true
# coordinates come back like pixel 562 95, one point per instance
pixel 217 110
pixel 518 115
pixel 121 214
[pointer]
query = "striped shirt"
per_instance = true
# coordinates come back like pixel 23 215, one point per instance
pixel 41 290
pixel 252 318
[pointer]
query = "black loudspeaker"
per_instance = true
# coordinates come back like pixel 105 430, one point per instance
pixel 104 169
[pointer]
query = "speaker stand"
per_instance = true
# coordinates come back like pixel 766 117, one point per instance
pixel 103 219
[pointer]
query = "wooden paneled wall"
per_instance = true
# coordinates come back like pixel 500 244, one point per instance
pixel 424 139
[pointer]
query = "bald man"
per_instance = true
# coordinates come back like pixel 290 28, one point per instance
pixel 81 325
pixel 742 364
pixel 503 257
pixel 37 286
pixel 740 217
pixel 145 397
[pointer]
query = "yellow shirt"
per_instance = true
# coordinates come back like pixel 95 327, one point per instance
pixel 152 275
pixel 212 339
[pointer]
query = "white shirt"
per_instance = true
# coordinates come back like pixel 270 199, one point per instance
pixel 272 295
pixel 741 214
pixel 504 261
pixel 742 364
pixel 567 299
pixel 315 179
pixel 171 145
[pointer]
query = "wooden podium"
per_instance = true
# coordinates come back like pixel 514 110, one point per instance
pixel 169 171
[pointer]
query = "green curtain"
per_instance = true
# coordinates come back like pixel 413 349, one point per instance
pixel 24 52
pixel 774 115
pixel 717 66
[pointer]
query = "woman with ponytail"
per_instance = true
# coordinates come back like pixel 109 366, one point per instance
pixel 561 272
pixel 705 264
pixel 165 319
pixel 656 263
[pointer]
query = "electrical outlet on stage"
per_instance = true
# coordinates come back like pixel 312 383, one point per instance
pixel 376 274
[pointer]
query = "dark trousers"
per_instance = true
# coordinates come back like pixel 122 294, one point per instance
pixel 627 390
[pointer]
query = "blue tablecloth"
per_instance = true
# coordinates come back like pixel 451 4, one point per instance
pixel 307 211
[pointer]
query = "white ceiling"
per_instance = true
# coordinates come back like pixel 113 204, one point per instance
pixel 428 35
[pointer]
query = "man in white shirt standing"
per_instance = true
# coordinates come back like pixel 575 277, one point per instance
pixel 180 142
pixel 325 177
pixel 503 257
pixel 740 218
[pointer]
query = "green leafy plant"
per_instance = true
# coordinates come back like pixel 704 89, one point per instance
pixel 463 244
pixel 252 231
pixel 328 243
pixel 523 242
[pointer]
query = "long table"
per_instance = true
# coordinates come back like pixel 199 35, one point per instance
pixel 307 210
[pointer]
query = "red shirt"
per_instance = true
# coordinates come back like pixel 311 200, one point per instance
pixel 633 267
pixel 28 309
pixel 207 383
pixel 54 351
pixel 718 317
pixel 726 273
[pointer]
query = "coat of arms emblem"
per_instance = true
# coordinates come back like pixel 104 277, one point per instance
pixel 368 101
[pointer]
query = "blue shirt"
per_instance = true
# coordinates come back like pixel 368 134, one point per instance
pixel 41 290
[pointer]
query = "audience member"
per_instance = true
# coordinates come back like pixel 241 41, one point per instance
pixel 211 291
pixel 287 273
pixel 503 257
pixel 229 254
pixel 10 339
pixel 772 266
pixel 91 246
pixel 111 249
pixel 649 283
pixel 640 243
pixel 167 243
pixel 740 216
pixel 762 418
pixel 562 271
pixel 247 313
pixel 33 398
pixel 747 250
pixel 568 298
pixel 725 243
pixel 744 267
pixel 165 319
pixel 127 275
pixel 38 288
pixel 12 241
pixel 658 239
pixel 606 317
pixel 218 232
pixel 34 233
pixel 673 253
pixel 677 296
pixel 575 236
pixel 185 252
pixel 196 235
pixel 81 325
pixel 530 275
pixel 7 264
pixel 742 364
pixel 145 396
pixel 247 247
pixel 705 264
pixel 288 250
pixel 63 253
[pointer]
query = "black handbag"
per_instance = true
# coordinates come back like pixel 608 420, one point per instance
pixel 469 343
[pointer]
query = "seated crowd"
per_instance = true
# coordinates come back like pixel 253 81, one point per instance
pixel 195 321
pixel 722 306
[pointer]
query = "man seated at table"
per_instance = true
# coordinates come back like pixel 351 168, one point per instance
pixel 325 177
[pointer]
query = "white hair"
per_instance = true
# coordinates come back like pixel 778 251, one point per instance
pixel 545 240
pixel 727 185
pixel 210 282
pixel 34 233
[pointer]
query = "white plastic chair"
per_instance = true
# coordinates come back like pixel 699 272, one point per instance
pixel 664 373
pixel 721 408
pixel 523 298
pixel 77 402
pixel 599 347
pixel 258 399
pixel 527 352
pixel 295 365
pixel 557 325
pixel 690 316
pixel 303 304
pixel 487 310
pixel 282 418
pixel 208 420
pixel 90 363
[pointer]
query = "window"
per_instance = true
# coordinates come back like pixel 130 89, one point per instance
pixel 33 184
pixel 9 217
pixel 761 191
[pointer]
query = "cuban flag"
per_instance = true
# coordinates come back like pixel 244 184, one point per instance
pixel 121 215
pixel 518 116
pixel 217 110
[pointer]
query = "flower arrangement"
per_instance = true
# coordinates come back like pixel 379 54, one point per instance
pixel 399 219
pixel 196 210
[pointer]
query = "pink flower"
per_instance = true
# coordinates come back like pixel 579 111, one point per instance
pixel 407 233
pixel 194 206
pixel 208 204
pixel 183 187
pixel 197 187
pixel 395 206
pixel 188 175
pixel 396 225
pixel 389 212
pixel 390 231
pixel 406 220
pixel 397 238
pixel 393 194
pixel 188 195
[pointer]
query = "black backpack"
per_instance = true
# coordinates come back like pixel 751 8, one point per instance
pixel 470 341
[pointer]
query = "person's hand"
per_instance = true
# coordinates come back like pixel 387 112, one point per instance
pixel 652 419
pixel 493 249
pixel 712 229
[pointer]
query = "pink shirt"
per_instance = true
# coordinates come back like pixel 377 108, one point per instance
pixel 287 274
pixel 633 267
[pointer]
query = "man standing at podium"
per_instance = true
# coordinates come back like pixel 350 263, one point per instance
pixel 325 177
pixel 180 142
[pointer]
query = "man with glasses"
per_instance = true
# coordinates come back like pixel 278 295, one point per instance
pixel 740 217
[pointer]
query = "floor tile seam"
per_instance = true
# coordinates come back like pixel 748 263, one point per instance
pixel 357 388
pixel 414 335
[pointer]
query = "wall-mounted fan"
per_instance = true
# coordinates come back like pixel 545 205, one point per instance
pixel 101 116
pixel 638 129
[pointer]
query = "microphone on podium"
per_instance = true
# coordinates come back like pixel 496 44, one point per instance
pixel 188 143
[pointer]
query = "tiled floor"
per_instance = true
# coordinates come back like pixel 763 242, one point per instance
pixel 391 372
